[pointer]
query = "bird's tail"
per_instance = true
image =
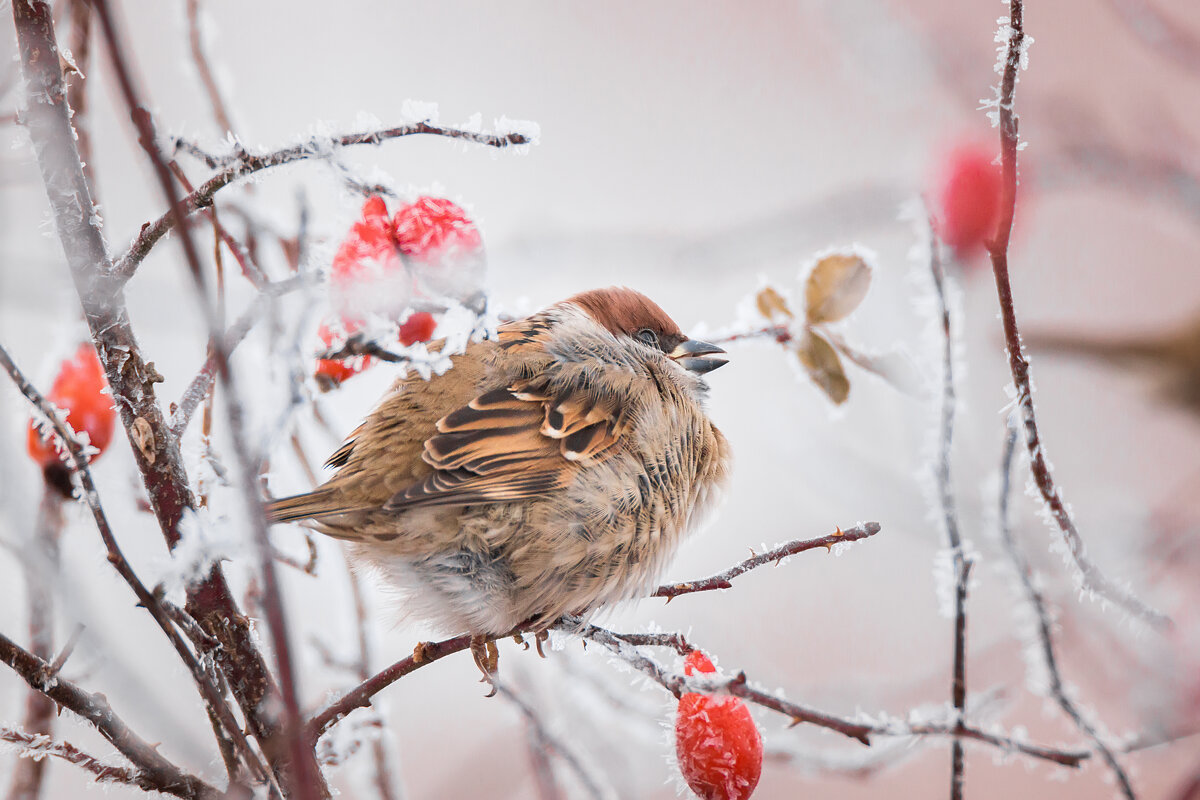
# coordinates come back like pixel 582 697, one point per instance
pixel 310 505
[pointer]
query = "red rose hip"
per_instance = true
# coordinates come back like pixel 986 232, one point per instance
pixel 717 744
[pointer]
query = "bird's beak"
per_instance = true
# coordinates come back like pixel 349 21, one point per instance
pixel 699 357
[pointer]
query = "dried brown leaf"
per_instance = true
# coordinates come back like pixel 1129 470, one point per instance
pixel 823 365
pixel 771 303
pixel 836 285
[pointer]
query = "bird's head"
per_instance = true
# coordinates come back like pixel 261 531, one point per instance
pixel 637 321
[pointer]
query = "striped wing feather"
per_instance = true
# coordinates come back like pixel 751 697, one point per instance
pixel 510 444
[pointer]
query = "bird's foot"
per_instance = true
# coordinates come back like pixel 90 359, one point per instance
pixel 539 637
pixel 487 657
pixel 421 652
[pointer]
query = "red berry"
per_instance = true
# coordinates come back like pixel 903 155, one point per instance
pixel 433 228
pixel 79 390
pixel 417 328
pixel 717 744
pixel 971 195
pixel 368 249
pixel 331 372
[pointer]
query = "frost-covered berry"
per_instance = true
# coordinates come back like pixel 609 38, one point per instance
pixel 717 744
pixel 432 229
pixel 330 372
pixel 369 248
pixel 418 327
pixel 970 196
pixel 79 388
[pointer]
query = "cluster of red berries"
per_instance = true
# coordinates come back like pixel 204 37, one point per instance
pixel 79 389
pixel 717 744
pixel 429 232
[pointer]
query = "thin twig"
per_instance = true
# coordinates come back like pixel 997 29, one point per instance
pixel 198 388
pixel 247 164
pixel 723 580
pixel 157 771
pixel 200 59
pixel 1090 575
pixel 35 747
pixel 1045 626
pixel 946 500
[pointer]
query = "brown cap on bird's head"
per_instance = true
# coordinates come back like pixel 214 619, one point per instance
pixel 622 311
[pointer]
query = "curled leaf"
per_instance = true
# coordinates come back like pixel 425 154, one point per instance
pixel 836 285
pixel 771 304
pixel 823 365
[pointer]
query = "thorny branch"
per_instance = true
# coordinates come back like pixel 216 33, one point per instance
pixel 247 164
pixel 1045 626
pixel 722 580
pixel 1090 575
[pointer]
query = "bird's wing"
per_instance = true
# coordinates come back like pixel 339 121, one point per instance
pixel 513 443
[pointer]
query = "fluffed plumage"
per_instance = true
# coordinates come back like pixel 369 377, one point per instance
pixel 552 470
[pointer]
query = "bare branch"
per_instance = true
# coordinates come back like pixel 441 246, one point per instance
pixel 1029 584
pixel 35 747
pixel 723 580
pixel 161 774
pixel 247 164
pixel 946 499
pixel 1090 575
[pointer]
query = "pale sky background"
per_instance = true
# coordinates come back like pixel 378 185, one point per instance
pixel 690 150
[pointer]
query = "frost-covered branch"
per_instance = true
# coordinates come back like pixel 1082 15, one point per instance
pixel 1092 579
pixel 35 747
pixel 861 729
pixel 1045 632
pixel 161 775
pixel 722 580
pixel 130 378
pixel 305 777
pixel 948 505
pixel 248 163
pixel 213 697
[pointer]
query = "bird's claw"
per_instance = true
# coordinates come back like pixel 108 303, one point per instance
pixel 487 657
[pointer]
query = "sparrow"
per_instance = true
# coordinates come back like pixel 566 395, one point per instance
pixel 554 469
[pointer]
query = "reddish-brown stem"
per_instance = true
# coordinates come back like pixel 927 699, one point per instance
pixel 948 504
pixel 722 579
pixel 1029 585
pixel 159 773
pixel 1091 577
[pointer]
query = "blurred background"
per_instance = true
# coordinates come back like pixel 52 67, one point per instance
pixel 691 152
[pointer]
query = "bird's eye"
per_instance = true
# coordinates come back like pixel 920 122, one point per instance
pixel 647 337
